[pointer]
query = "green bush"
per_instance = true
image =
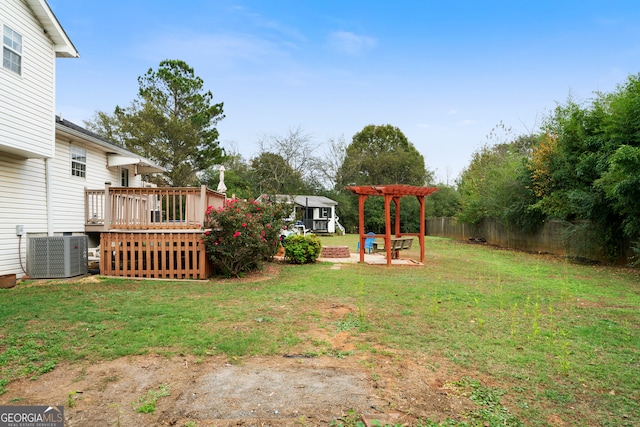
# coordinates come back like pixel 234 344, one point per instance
pixel 241 234
pixel 300 249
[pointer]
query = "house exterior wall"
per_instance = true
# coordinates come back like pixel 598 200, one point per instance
pixel 22 202
pixel 68 190
pixel 27 104
pixel 23 197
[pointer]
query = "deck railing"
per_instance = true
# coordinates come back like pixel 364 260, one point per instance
pixel 159 208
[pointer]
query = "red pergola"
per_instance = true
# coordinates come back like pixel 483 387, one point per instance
pixel 391 192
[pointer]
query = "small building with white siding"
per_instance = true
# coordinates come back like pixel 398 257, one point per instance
pixel 317 213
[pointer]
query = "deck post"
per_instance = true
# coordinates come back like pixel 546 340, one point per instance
pixel 203 205
pixel 107 206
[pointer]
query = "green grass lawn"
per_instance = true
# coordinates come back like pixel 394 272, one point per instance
pixel 554 337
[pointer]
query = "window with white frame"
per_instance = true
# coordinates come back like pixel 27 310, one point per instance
pixel 11 50
pixel 78 162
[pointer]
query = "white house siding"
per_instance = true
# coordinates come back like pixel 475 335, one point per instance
pixel 331 223
pixel 68 190
pixel 27 104
pixel 22 202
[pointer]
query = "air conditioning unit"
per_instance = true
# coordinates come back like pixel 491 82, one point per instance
pixel 55 257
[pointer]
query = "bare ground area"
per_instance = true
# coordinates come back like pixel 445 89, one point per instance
pixel 260 391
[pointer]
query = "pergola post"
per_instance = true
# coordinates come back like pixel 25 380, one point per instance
pixel 391 192
pixel 396 201
pixel 361 199
pixel 387 228
pixel 421 200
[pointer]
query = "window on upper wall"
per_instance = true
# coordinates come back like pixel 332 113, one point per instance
pixel 324 212
pixel 11 50
pixel 78 162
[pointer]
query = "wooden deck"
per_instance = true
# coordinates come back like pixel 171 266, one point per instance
pixel 151 232
pixel 162 208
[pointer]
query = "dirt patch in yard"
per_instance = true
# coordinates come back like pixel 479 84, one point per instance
pixel 257 391
pixel 260 391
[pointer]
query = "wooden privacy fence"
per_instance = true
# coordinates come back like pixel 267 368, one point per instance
pixel 575 240
pixel 165 255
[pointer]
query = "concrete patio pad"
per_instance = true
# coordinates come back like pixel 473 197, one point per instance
pixel 371 259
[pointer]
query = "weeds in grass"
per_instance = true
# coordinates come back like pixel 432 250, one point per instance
pixel 478 317
pixel 338 354
pixel 350 322
pixel 564 351
pixel 361 294
pixel 434 301
pixel 146 404
pixel 71 401
pixel 300 421
pixel 490 411
pixel 514 322
pixel 118 413
pixel 352 419
pixel 535 322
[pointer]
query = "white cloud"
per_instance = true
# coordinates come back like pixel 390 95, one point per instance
pixel 467 122
pixel 350 43
pixel 221 48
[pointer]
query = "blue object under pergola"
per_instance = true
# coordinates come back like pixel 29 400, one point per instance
pixel 390 193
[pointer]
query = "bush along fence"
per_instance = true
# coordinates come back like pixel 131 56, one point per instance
pixel 574 240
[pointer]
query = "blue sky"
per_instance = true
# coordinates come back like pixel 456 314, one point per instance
pixel 444 72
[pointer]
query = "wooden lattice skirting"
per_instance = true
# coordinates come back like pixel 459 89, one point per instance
pixel 166 255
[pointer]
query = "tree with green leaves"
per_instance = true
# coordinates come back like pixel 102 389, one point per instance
pixel 382 155
pixel 588 169
pixel 444 202
pixel 271 174
pixel 297 149
pixel 172 121
pixel 378 155
pixel 621 184
pixel 494 182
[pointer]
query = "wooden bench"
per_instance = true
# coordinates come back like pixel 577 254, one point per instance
pixel 397 244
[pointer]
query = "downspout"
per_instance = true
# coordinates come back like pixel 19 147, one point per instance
pixel 49 198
